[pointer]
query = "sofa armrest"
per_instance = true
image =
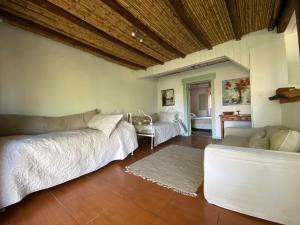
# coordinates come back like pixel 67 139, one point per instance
pixel 256 182
pixel 240 131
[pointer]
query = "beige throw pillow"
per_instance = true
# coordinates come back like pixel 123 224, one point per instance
pixel 259 134
pixel 285 140
pixel 105 123
pixel 258 140
pixel 271 130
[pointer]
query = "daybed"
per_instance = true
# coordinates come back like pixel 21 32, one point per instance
pixel 244 175
pixel 67 149
pixel 159 127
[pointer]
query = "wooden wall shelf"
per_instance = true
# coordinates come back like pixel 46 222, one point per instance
pixel 287 100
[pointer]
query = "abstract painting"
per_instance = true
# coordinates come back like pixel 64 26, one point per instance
pixel 168 97
pixel 236 91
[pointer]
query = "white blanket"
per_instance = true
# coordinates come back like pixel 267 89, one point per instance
pixel 32 163
pixel 165 131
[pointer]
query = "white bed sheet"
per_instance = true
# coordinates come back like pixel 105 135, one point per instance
pixel 163 130
pixel 32 163
pixel 202 123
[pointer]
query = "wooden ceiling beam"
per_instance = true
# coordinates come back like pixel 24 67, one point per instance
pixel 235 21
pixel 49 33
pixel 286 11
pixel 55 9
pixel 188 22
pixel 117 7
pixel 275 13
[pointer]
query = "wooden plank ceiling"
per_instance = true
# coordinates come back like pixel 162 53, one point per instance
pixel 169 28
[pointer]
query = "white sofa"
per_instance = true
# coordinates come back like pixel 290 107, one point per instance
pixel 257 182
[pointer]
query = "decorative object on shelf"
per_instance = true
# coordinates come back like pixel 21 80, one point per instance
pixel 228 113
pixel 168 98
pixel 286 95
pixel 236 91
pixel 238 112
pixel 137 34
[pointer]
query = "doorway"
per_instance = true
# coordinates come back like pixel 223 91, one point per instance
pixel 200 109
pixel 187 83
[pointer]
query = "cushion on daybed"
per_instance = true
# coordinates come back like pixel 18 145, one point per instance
pixel 105 123
pixel 28 125
pixel 168 116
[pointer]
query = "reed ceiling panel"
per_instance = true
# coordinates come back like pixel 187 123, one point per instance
pixel 40 15
pixel 211 16
pixel 104 18
pixel 161 18
pixel 104 27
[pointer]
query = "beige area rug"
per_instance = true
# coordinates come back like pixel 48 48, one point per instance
pixel 176 167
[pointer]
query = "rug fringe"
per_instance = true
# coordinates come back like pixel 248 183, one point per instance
pixel 191 194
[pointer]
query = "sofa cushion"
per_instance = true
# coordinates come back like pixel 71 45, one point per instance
pixel 270 130
pixel 258 134
pixel 259 142
pixel 238 141
pixel 28 125
pixel 285 140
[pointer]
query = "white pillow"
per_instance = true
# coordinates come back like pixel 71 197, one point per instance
pixel 105 123
pixel 167 116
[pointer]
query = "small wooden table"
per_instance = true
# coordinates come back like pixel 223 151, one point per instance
pixel 241 117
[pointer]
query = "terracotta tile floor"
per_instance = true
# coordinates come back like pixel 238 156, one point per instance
pixel 110 196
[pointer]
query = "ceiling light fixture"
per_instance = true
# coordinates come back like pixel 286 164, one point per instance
pixel 136 34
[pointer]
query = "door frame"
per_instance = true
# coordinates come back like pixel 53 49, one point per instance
pixel 186 99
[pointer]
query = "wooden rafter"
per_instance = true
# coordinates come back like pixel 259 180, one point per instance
pixel 286 12
pixel 275 13
pixel 189 23
pixel 235 21
pixel 113 4
pixel 65 14
pixel 47 32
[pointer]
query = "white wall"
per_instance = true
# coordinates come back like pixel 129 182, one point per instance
pixel 291 115
pixel 293 60
pixel 44 77
pixel 223 71
pixel 268 72
pixel 291 111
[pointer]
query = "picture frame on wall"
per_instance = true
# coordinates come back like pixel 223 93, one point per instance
pixel 168 97
pixel 236 91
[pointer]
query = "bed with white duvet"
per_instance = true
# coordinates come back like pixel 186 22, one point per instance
pixel 36 162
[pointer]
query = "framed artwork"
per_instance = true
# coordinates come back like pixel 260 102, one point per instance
pixel 168 98
pixel 236 91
